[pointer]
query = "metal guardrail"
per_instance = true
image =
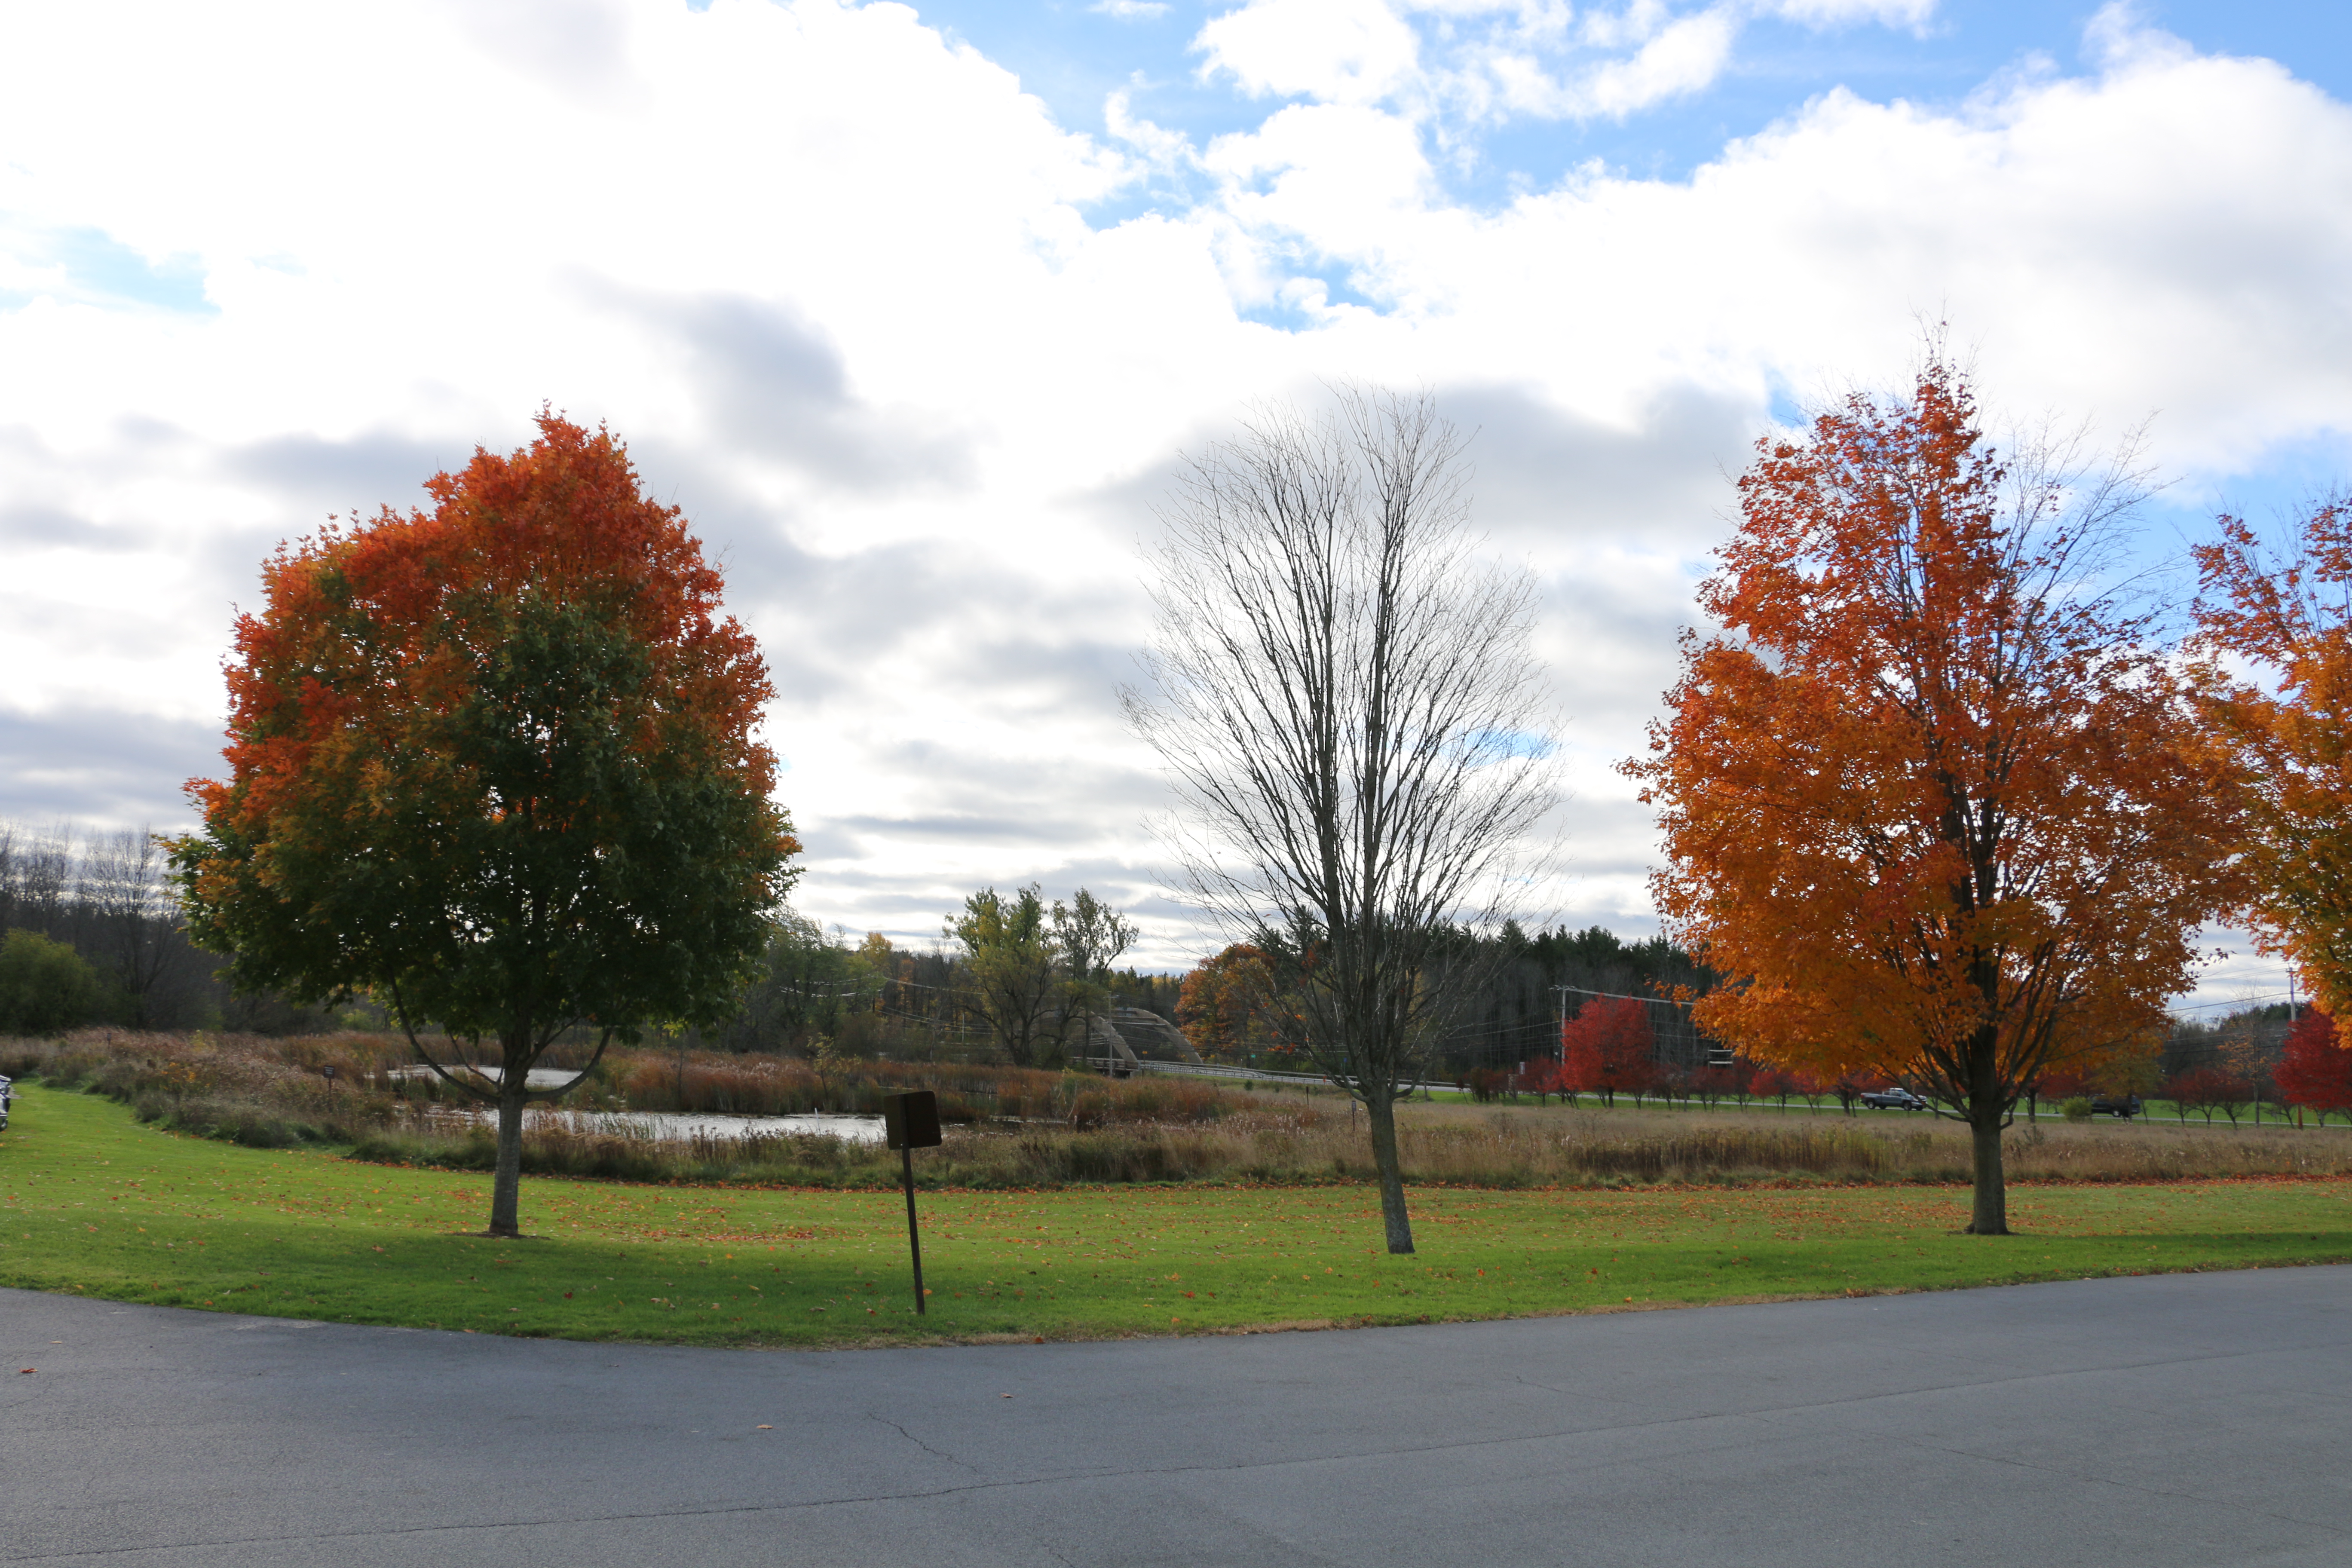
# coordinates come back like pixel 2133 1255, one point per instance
pixel 1202 1069
pixel 1218 1069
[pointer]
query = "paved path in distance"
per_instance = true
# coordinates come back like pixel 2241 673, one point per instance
pixel 2181 1419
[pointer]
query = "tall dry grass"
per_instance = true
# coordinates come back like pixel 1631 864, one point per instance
pixel 1014 1128
pixel 1307 1143
pixel 261 1092
pixel 273 1092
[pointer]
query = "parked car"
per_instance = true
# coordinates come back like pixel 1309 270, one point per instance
pixel 1896 1099
pixel 2123 1105
pixel 6 1094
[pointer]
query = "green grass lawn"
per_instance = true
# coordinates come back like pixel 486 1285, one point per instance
pixel 94 1203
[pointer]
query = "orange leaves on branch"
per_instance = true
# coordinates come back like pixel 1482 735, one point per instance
pixel 1930 800
pixel 1223 1002
pixel 2288 615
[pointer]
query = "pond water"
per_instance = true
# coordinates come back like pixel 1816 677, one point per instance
pixel 537 1077
pixel 711 1124
pixel 664 1124
pixel 667 1124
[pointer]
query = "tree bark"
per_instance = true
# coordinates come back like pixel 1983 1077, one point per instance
pixel 506 1183
pixel 1991 1217
pixel 1989 1101
pixel 1379 1114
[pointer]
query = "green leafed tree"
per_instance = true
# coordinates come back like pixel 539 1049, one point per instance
pixel 1009 971
pixel 494 763
pixel 1036 975
pixel 47 987
pixel 1088 938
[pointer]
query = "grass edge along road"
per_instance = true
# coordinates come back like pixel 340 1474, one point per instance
pixel 94 1203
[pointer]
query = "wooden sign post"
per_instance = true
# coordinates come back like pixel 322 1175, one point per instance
pixel 911 1121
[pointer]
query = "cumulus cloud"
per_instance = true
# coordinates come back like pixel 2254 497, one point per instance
pixel 1449 62
pixel 1337 51
pixel 1681 58
pixel 1914 15
pixel 853 300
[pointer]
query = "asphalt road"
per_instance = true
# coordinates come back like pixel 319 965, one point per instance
pixel 2184 1419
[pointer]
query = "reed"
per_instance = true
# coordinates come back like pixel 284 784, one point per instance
pixel 1018 1128
pixel 1310 1145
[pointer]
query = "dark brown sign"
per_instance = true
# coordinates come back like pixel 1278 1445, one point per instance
pixel 911 1119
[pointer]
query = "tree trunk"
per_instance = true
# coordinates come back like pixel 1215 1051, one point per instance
pixel 1380 1112
pixel 1991 1211
pixel 506 1183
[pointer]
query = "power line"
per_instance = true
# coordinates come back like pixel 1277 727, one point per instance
pixel 1621 997
pixel 2245 1002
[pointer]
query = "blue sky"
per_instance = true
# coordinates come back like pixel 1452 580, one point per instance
pixel 1074 55
pixel 914 312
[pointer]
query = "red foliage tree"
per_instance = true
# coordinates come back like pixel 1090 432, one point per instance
pixel 2315 1069
pixel 1850 1087
pixel 1539 1078
pixel 2208 1089
pixel 2057 1086
pixel 1605 1050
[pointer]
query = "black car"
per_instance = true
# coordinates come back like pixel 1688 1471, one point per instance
pixel 2123 1105
pixel 1896 1099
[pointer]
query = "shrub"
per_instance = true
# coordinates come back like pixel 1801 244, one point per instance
pixel 2077 1108
pixel 47 987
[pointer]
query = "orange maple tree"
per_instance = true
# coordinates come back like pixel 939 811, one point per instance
pixel 2287 615
pixel 494 764
pixel 1222 1004
pixel 1930 800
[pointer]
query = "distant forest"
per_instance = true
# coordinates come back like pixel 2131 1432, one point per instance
pixel 1530 984
pixel 101 900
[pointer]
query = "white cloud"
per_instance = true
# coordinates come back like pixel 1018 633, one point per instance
pixel 1335 51
pixel 1680 59
pixel 2118 38
pixel 1130 10
pixel 1914 15
pixel 1483 60
pixel 837 284
pixel 1633 23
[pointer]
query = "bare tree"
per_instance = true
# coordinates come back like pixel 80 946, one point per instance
pixel 40 874
pixel 1349 713
pixel 124 893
